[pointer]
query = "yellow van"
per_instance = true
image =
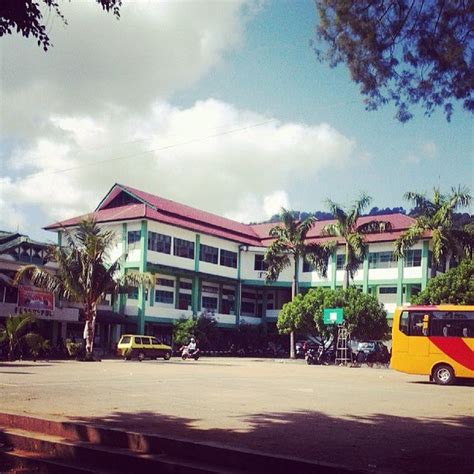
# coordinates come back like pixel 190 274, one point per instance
pixel 141 347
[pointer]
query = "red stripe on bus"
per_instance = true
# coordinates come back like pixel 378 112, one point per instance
pixel 455 348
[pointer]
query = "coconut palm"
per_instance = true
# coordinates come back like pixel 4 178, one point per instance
pixel 288 247
pixel 13 331
pixel 348 227
pixel 436 217
pixel 84 273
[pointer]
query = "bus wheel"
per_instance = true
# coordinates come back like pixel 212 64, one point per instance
pixel 443 374
pixel 141 356
pixel 167 356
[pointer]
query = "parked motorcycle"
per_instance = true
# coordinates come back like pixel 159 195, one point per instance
pixel 186 354
pixel 315 356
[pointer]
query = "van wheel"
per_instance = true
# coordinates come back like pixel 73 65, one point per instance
pixel 167 356
pixel 141 356
pixel 443 374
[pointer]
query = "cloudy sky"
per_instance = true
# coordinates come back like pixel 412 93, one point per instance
pixel 220 105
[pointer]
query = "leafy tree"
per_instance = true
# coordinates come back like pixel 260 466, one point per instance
pixel 183 330
pixel 13 332
pixel 402 51
pixel 84 273
pixel 352 231
pixel 289 247
pixel 364 316
pixel 456 286
pixel 26 17
pixel 437 217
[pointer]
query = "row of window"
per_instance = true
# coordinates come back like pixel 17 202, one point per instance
pixel 438 323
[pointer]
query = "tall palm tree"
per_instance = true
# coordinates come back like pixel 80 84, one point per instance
pixel 84 273
pixel 437 217
pixel 352 232
pixel 287 249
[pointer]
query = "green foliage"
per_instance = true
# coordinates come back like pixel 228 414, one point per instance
pixel 449 238
pixel 348 227
pixel 37 344
pixel 364 316
pixel 456 286
pixel 204 329
pixel 13 332
pixel 74 349
pixel 26 17
pixel 405 52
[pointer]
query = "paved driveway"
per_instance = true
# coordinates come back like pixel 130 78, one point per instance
pixel 361 417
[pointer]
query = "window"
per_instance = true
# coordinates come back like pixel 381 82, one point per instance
pixel 125 340
pixel 382 260
pixel 413 258
pixel 452 323
pixel 132 294
pixel 259 263
pixel 246 294
pixel 185 285
pixel 247 307
pixel 209 254
pixel 416 323
pixel 209 302
pixel 159 242
pixel 228 259
pixel 154 340
pixel 308 266
pixel 146 341
pixel 228 291
pixel 184 301
pixel 388 290
pixel 210 289
pixel 340 261
pixel 134 237
pixel 165 282
pixel 138 340
pixel 162 296
pixel 183 248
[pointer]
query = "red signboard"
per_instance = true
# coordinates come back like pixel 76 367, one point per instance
pixel 35 299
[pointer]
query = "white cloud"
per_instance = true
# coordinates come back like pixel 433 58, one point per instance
pixel 239 170
pixel 424 151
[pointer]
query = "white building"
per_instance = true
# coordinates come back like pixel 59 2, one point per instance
pixel 204 262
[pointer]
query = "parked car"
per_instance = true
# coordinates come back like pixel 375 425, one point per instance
pixel 303 345
pixel 132 346
pixel 372 351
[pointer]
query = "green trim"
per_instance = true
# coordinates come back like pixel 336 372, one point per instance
pixel 315 284
pixel 264 305
pixel 408 293
pixel 195 295
pixel 135 265
pixel 152 296
pixel 183 273
pixel 333 269
pixel 365 277
pixel 160 320
pixel 60 239
pixel 400 263
pixel 226 325
pixel 124 239
pixel 176 293
pixel 197 252
pixel 142 268
pixel 219 299
pixel 239 262
pixel 238 298
pixel 286 284
pixel 424 264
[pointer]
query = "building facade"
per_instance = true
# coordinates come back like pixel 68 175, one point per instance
pixel 205 263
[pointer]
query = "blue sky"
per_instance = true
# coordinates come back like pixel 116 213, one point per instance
pixel 169 74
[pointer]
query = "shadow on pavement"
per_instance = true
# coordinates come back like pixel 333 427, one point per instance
pixel 376 442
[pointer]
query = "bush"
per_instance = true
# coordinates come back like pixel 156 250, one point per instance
pixel 74 349
pixel 456 286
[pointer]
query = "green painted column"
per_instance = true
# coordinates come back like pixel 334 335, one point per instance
pixel 195 295
pixel 365 281
pixel 400 264
pixel 333 269
pixel 142 268
pixel 197 252
pixel 176 293
pixel 122 297
pixel 408 295
pixel 264 306
pixel 424 264
pixel 60 239
pixel 219 299
pixel 238 289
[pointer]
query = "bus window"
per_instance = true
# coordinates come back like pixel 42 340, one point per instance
pixel 416 324
pixel 452 323
pixel 404 318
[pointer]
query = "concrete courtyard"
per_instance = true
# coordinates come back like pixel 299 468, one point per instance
pixel 369 418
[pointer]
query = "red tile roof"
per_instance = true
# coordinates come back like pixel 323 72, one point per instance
pixel 169 212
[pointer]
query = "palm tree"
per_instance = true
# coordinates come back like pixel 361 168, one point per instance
pixel 352 232
pixel 12 332
pixel 84 273
pixel 437 218
pixel 287 249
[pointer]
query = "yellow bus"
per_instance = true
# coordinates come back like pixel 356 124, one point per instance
pixel 434 340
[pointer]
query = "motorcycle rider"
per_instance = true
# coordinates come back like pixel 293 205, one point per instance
pixel 192 346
